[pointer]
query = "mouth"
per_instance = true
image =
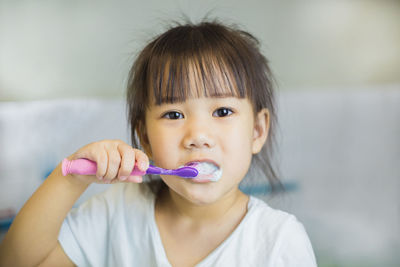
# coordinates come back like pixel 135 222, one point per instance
pixel 209 171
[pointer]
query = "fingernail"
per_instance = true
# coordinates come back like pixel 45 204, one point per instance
pixel 123 178
pixel 100 177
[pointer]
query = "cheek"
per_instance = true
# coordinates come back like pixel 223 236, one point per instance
pixel 163 146
pixel 238 147
pixel 239 139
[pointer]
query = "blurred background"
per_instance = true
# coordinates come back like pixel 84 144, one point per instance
pixel 63 72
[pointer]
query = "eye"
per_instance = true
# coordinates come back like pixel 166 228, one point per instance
pixel 173 115
pixel 222 112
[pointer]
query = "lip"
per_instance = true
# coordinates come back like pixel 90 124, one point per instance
pixel 199 181
pixel 202 160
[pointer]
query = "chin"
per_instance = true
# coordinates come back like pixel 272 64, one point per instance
pixel 201 197
pixel 200 194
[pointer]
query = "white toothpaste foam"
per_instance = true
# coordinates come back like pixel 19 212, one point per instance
pixel 208 171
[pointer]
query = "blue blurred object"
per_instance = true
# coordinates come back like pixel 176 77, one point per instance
pixel 264 189
pixel 6 223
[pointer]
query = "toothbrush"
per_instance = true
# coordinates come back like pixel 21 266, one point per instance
pixel 88 167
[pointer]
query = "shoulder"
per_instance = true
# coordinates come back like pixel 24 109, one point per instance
pixel 280 235
pixel 87 230
pixel 272 220
pixel 113 200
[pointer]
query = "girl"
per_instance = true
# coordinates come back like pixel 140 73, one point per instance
pixel 196 93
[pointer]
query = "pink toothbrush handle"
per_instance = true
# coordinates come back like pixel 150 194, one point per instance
pixel 86 167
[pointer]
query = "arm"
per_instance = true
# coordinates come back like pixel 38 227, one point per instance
pixel 32 238
pixel 34 232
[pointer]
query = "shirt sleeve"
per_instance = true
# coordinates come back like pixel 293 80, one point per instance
pixel 83 235
pixel 295 247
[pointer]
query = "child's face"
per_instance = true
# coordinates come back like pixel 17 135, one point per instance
pixel 221 130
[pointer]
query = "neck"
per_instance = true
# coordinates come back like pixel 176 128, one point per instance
pixel 232 204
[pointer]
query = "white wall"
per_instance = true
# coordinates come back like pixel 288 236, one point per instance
pixel 57 49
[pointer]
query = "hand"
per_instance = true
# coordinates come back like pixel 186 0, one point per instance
pixel 115 161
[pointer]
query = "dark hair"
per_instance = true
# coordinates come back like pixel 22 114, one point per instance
pixel 219 59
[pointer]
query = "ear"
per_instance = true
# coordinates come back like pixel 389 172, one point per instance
pixel 261 129
pixel 143 139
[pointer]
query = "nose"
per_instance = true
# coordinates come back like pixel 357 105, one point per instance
pixel 198 135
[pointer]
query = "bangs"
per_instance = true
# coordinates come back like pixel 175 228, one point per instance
pixel 194 68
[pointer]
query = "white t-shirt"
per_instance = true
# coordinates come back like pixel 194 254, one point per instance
pixel 118 228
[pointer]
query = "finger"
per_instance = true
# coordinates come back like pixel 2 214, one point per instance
pixel 112 181
pixel 127 161
pixel 134 179
pixel 102 163
pixel 114 160
pixel 142 160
